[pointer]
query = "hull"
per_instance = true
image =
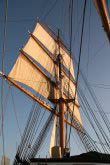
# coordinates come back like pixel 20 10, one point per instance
pixel 62 163
pixel 90 158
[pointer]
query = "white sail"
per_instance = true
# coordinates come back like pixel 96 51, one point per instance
pixel 35 51
pixel 46 39
pixel 73 109
pixel 41 34
pixel 52 139
pixel 68 85
pixel 67 61
pixel 23 71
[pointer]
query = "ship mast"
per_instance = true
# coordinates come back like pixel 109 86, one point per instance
pixel 103 13
pixel 33 63
pixel 61 100
pixel 30 67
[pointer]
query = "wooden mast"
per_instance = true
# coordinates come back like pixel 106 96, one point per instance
pixel 43 103
pixel 61 101
pixel 61 106
pixel 102 11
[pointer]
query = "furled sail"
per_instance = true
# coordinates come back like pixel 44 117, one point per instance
pixel 52 140
pixel 37 66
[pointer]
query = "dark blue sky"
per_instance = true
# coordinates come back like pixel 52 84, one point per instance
pixel 95 60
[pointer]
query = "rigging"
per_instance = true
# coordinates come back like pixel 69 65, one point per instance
pixel 71 34
pixel 77 76
pixel 2 85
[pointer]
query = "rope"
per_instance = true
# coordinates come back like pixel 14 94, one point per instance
pixel 35 130
pixel 85 111
pixel 92 94
pixel 5 103
pixel 15 112
pixel 71 33
pixel 37 145
pixel 89 40
pixel 77 77
pixel 87 106
pixel 49 11
pixel 2 85
pixel 104 136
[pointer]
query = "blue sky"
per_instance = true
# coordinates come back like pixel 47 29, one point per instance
pixel 95 60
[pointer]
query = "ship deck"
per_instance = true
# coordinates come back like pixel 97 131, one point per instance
pixel 89 158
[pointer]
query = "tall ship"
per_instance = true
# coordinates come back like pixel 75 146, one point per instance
pixel 45 72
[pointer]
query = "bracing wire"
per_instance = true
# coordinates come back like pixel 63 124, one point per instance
pixel 28 129
pixel 16 117
pixel 95 120
pixel 2 85
pixel 84 136
pixel 80 52
pixel 99 109
pixel 49 11
pixel 71 33
pixel 29 132
pixel 41 137
pixel 89 37
pixel 85 107
pixel 5 103
pixel 78 142
pixel 105 137
pixel 89 90
pixel 98 106
pixel 36 131
pixel 26 134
